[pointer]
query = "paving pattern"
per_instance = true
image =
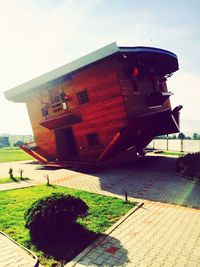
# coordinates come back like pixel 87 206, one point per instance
pixel 151 179
pixel 155 235
pixel 13 255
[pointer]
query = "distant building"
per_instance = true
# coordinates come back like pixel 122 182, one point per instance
pixel 4 141
pixel 99 106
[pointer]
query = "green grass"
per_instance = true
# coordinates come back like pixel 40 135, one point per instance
pixel 172 153
pixel 14 180
pixel 5 180
pixel 103 212
pixel 9 154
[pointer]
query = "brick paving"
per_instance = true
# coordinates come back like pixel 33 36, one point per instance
pixel 158 234
pixel 155 235
pixel 13 255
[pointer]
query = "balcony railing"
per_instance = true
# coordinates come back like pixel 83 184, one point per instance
pixel 57 106
pixel 63 120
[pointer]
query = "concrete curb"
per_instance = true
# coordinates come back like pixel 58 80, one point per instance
pixel 101 239
pixel 16 188
pixel 26 249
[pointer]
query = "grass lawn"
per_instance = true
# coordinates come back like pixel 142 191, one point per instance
pixel 5 180
pixel 103 212
pixel 14 180
pixel 173 153
pixel 13 154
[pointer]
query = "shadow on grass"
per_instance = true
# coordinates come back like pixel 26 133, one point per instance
pixel 14 179
pixel 24 179
pixel 19 179
pixel 51 185
pixel 62 245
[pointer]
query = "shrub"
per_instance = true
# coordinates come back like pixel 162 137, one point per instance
pixel 189 165
pixel 53 216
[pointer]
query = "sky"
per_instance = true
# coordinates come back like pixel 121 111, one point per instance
pixel 39 36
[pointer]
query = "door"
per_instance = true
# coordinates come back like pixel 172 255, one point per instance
pixel 66 145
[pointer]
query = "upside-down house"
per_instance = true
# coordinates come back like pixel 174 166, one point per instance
pixel 100 106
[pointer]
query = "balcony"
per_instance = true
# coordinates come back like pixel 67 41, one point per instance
pixel 55 107
pixel 157 98
pixel 66 119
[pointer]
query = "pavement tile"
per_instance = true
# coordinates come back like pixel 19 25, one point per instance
pixel 195 258
pixel 159 259
pixel 112 250
pixel 180 264
pixel 144 264
pixel 99 261
pixel 111 261
pixel 105 256
pixel 155 264
pixel 192 264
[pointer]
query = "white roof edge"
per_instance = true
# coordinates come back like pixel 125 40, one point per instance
pixel 63 70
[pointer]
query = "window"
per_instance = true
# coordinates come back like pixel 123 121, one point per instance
pixel 92 139
pixel 82 97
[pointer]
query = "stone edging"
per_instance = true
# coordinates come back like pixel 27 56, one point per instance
pixel 26 249
pixel 101 239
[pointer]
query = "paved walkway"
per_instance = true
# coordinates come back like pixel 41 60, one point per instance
pixel 158 234
pixel 13 255
pixel 155 235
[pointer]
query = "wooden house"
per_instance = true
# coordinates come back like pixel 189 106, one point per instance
pixel 100 106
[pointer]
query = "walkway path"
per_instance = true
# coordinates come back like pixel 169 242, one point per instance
pixel 158 234
pixel 13 255
pixel 152 178
pixel 155 235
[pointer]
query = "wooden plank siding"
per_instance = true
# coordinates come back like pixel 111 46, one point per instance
pixel 114 100
pixel 104 114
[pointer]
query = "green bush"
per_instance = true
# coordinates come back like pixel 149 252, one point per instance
pixel 189 165
pixel 53 216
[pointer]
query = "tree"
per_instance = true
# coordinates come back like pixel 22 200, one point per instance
pixel 19 143
pixel 181 136
pixel 195 136
pixel 161 137
pixel 172 136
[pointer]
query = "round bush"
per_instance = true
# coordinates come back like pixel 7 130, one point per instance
pixel 54 215
pixel 189 165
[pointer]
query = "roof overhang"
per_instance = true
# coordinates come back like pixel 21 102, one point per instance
pixel 17 93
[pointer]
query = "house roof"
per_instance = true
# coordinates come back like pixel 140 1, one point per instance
pixel 15 94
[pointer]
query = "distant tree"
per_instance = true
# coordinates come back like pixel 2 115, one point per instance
pixel 19 143
pixel 181 136
pixel 195 136
pixel 161 137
